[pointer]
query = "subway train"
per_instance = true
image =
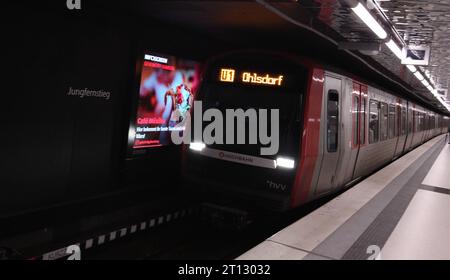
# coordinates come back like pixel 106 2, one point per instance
pixel 334 130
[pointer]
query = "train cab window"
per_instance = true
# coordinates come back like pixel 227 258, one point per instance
pixel 373 121
pixel 383 121
pixel 403 124
pixel 392 126
pixel 332 121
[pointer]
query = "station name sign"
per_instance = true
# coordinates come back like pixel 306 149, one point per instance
pixel 229 75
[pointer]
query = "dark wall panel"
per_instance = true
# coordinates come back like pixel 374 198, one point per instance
pixel 57 147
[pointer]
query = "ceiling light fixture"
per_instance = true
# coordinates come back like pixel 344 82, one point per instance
pixel 394 49
pixel 411 68
pixel 419 76
pixel 369 20
pixel 362 12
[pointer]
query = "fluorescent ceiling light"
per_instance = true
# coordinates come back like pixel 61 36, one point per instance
pixel 439 98
pixel 285 162
pixel 411 68
pixel 394 48
pixel 418 76
pixel 369 20
pixel 197 146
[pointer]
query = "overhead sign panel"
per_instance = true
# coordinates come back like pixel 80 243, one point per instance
pixel 416 55
pixel 441 91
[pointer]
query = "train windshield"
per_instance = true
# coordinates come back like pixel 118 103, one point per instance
pixel 288 101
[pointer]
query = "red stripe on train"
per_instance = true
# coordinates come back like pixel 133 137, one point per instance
pixel 309 149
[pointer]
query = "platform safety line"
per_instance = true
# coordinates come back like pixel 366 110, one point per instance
pixel 118 233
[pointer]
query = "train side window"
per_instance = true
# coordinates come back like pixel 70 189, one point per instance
pixel 355 119
pixel 332 121
pixel 410 120
pixel 424 121
pixel 392 126
pixel 362 130
pixel 373 122
pixel 384 121
pixel 403 132
pixel 417 121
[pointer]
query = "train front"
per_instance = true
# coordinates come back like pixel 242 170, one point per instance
pixel 246 129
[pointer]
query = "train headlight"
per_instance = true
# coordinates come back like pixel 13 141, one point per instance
pixel 285 162
pixel 197 146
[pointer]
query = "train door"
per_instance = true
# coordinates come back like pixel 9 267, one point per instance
pixel 359 120
pixel 410 130
pixel 398 125
pixel 331 133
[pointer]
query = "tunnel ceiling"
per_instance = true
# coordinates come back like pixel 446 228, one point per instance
pixel 417 22
pixel 425 22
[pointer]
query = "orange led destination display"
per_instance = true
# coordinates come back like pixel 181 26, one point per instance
pixel 254 78
pixel 228 75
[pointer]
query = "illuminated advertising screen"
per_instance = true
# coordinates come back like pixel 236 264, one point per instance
pixel 167 89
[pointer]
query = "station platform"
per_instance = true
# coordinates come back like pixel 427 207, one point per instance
pixel 400 212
